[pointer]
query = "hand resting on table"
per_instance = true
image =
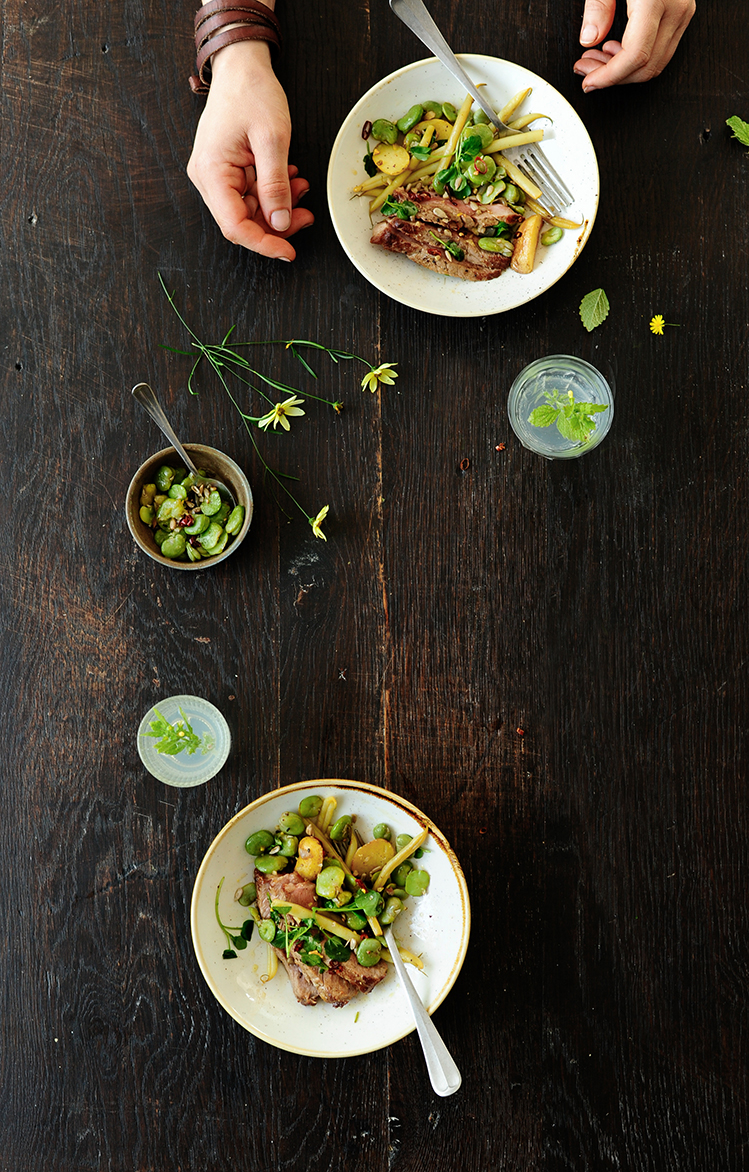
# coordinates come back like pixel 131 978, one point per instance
pixel 654 29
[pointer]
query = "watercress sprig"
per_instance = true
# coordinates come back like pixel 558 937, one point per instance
pixel 177 737
pixel 238 942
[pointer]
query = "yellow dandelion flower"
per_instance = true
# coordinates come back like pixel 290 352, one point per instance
pixel 657 324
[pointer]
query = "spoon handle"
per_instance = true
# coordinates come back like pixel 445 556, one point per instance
pixel 147 399
pixel 443 1073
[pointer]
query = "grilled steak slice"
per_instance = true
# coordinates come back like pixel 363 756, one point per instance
pixel 416 241
pixel 363 979
pixel 290 886
pixel 447 210
pixel 304 991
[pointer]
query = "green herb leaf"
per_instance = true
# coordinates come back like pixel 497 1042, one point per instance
pixel 449 246
pixel 594 309
pixel 404 209
pixel 740 129
pixel 574 420
pixel 421 152
pixel 469 149
pixel 543 416
pixel 369 164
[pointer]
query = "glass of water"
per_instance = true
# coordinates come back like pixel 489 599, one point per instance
pixel 186 769
pixel 535 387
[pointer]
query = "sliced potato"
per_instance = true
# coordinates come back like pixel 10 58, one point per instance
pixel 391 160
pixel 372 857
pixel 310 859
pixel 442 128
pixel 526 243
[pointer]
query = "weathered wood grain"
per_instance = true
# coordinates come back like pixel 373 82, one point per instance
pixel 551 660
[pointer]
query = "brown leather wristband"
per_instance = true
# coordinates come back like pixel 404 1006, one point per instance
pixel 247 20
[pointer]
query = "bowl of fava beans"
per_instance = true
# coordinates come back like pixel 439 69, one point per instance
pixel 179 521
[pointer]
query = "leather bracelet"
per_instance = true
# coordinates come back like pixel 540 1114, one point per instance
pixel 248 20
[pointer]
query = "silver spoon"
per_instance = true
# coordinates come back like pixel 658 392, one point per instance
pixel 147 399
pixel 443 1073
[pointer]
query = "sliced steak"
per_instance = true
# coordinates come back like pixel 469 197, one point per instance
pixel 447 210
pixel 363 979
pixel 303 989
pixel 415 240
pixel 289 886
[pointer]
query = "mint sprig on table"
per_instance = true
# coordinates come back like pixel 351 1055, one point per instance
pixel 574 420
pixel 594 309
pixel 740 129
pixel 177 737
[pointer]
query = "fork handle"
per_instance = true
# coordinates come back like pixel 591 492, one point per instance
pixel 415 16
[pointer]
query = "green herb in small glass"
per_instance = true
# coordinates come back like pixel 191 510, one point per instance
pixel 574 420
pixel 177 737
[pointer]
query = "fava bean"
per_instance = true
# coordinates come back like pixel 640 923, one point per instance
pixel 266 930
pixel 382 830
pixel 270 864
pixel 339 828
pixel 289 845
pixel 384 131
pixel 309 807
pixel 368 952
pixel 449 112
pixel 247 895
pixel 417 882
pixel 399 876
pixel 259 842
pixel 291 823
pixel 235 520
pixel 174 546
pixel 434 108
pixel 393 907
pixel 409 120
pixel 495 244
pixel 329 882
pixel 551 236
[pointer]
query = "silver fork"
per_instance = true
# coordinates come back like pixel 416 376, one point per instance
pixel 555 193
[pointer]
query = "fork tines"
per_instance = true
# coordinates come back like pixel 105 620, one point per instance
pixel 538 168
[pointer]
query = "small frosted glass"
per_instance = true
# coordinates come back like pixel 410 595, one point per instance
pixel 561 372
pixel 184 769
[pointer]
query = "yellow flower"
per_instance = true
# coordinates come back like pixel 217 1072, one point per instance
pixel 385 373
pixel 279 413
pixel 657 323
pixel 317 521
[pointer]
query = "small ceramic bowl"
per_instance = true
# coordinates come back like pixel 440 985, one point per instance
pixel 209 460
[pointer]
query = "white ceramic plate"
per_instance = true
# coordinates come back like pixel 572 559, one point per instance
pixel 436 926
pixel 566 144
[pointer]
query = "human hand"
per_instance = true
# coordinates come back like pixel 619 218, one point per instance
pixel 239 162
pixel 654 29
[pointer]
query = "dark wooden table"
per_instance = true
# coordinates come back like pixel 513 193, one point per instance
pixel 465 593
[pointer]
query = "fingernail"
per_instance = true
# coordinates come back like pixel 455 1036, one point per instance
pixel 588 89
pixel 589 34
pixel 286 258
pixel 280 220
